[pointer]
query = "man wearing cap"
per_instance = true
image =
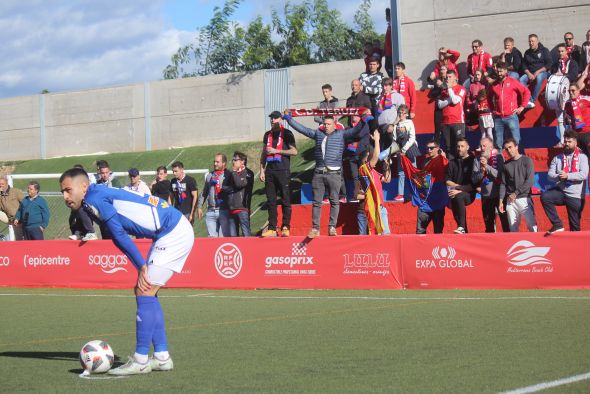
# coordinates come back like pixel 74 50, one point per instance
pixel 278 145
pixel 136 184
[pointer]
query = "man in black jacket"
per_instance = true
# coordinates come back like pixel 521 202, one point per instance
pixel 459 184
pixel 536 65
pixel 239 195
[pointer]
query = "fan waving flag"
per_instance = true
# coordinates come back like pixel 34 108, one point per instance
pixel 372 199
pixel 429 190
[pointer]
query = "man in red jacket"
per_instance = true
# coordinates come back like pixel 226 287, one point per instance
pixel 577 117
pixel 451 102
pixel 478 60
pixel 406 87
pixel 507 98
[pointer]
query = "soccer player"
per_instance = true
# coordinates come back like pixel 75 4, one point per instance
pixel 124 213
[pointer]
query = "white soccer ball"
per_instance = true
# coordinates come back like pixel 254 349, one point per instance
pixel 97 357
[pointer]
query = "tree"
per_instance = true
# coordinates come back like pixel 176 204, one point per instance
pixel 331 37
pixel 294 47
pixel 259 50
pixel 365 29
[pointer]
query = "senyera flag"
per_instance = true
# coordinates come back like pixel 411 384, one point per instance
pixel 429 191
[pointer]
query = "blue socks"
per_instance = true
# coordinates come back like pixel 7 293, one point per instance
pixel 159 336
pixel 149 325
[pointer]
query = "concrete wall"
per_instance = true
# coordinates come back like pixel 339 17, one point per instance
pixel 230 108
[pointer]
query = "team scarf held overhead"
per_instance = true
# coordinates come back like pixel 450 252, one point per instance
pixel 372 200
pixel 279 146
pixel 363 112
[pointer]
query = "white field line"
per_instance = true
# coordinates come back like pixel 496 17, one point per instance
pixel 260 297
pixel 546 385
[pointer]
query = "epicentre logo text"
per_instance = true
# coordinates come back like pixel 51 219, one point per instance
pixel 43 261
pixel 4 261
pixel 109 263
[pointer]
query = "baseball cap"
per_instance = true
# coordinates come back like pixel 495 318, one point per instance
pixel 275 115
pixel 133 172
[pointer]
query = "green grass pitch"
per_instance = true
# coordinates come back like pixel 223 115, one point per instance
pixel 304 341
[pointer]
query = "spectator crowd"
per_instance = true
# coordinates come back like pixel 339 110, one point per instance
pixel 381 137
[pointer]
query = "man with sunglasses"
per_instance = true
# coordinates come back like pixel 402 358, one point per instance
pixel 574 51
pixel 477 60
pixel 437 216
pixel 577 117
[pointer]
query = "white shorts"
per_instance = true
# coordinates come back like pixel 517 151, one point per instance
pixel 170 252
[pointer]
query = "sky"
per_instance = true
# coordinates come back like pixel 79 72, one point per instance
pixel 62 45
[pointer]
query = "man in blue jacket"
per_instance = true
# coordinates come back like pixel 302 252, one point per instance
pixel 329 146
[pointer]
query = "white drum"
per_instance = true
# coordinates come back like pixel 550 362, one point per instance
pixel 556 91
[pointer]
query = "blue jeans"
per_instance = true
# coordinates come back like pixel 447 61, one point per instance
pixel 538 84
pixel 225 223
pixel 212 223
pixel 241 219
pixel 362 222
pixel 513 74
pixel 401 177
pixel 502 125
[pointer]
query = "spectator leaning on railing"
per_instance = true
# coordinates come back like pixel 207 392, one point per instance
pixel 33 213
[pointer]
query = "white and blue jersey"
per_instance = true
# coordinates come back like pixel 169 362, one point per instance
pixel 126 212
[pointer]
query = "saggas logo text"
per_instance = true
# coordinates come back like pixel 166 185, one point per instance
pixel 109 263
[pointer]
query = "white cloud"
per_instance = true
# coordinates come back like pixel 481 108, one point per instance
pixel 82 44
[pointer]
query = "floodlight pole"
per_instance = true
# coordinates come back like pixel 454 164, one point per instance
pixel 396 31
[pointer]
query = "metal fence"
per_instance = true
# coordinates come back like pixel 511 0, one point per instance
pixel 59 227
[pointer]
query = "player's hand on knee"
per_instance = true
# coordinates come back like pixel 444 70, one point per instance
pixel 143 280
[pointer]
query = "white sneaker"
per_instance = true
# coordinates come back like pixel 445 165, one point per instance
pixel 530 105
pixel 159 365
pixel 89 237
pixel 459 230
pixel 132 367
pixel 74 237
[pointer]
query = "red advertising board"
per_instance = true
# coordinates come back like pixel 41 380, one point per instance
pixel 247 263
pixel 499 261
pixel 494 261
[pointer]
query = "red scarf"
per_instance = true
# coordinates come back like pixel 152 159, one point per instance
pixel 385 102
pixel 564 65
pixel 479 64
pixel 215 181
pixel 354 145
pixel 277 156
pixel 569 49
pixel 399 84
pixel 575 162
pixel 577 110
pixel 348 111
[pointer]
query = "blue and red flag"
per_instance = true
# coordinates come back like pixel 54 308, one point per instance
pixel 429 190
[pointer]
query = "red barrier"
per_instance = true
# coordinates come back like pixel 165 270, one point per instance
pixel 247 263
pixel 515 260
pixel 501 261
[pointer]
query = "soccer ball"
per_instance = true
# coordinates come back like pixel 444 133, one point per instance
pixel 96 357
